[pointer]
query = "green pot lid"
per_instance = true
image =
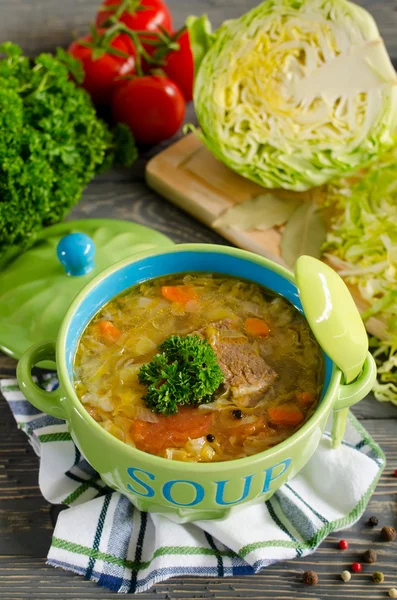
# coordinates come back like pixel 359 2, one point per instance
pixel 37 287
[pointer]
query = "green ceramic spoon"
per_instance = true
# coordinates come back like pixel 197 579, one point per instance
pixel 336 323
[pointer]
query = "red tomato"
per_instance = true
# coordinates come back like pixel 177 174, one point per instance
pixel 101 74
pixel 179 66
pixel 140 15
pixel 152 106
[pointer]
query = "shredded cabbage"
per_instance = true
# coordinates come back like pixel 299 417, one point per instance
pixel 362 242
pixel 295 92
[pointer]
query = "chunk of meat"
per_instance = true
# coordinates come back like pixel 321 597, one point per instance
pixel 244 369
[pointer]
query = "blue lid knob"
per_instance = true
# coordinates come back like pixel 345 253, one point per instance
pixel 76 253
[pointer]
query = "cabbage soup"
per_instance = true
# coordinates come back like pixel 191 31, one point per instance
pixel 199 367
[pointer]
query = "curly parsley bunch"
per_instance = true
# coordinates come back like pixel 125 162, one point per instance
pixel 51 143
pixel 185 371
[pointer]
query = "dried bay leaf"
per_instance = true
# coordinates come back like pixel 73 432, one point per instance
pixel 261 212
pixel 304 233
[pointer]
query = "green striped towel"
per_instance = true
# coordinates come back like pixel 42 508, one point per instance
pixel 105 539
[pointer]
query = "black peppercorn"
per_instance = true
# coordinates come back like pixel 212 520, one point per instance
pixel 373 521
pixel 210 437
pixel 310 578
pixel 388 534
pixel 238 414
pixel 369 556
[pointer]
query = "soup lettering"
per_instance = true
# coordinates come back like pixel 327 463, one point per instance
pixel 248 357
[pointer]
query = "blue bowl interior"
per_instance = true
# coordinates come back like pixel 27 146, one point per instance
pixel 176 262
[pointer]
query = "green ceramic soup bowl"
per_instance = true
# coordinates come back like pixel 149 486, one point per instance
pixel 184 491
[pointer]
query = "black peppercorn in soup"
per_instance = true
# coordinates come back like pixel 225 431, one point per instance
pixel 199 367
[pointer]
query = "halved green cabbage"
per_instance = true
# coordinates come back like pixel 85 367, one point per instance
pixel 295 92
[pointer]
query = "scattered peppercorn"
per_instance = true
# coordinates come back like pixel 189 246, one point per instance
pixel 343 545
pixel 369 556
pixel 210 437
pixel 346 576
pixel 373 521
pixel 310 578
pixel 378 577
pixel 393 593
pixel 388 534
pixel 395 473
pixel 356 567
pixel 238 414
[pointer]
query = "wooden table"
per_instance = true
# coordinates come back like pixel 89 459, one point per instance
pixel 26 519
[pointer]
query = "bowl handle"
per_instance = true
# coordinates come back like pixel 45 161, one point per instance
pixel 350 394
pixel 47 402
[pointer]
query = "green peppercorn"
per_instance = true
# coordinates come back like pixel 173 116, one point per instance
pixel 237 413
pixel 310 578
pixel 369 556
pixel 378 577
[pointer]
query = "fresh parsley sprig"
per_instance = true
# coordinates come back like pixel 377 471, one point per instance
pixel 185 371
pixel 51 143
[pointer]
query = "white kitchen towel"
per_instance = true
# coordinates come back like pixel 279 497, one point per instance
pixel 105 539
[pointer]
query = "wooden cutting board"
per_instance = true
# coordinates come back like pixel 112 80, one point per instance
pixel 188 175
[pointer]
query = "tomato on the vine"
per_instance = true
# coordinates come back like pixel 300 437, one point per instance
pixel 152 106
pixel 179 66
pixel 139 15
pixel 101 72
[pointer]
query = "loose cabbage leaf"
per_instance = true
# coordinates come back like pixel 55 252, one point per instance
pixel 262 212
pixel 201 38
pixel 296 93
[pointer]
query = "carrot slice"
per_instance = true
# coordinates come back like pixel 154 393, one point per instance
pixel 181 294
pixel 286 414
pixel 305 398
pixel 109 331
pixel 256 327
pixel 170 431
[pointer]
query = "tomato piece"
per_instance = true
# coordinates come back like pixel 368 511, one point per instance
pixel 179 66
pixel 179 293
pixel 152 106
pixel 286 414
pixel 256 327
pixel 171 431
pixel 139 15
pixel 101 74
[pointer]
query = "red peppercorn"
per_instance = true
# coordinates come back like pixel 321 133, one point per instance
pixel 395 473
pixel 343 545
pixel 356 567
